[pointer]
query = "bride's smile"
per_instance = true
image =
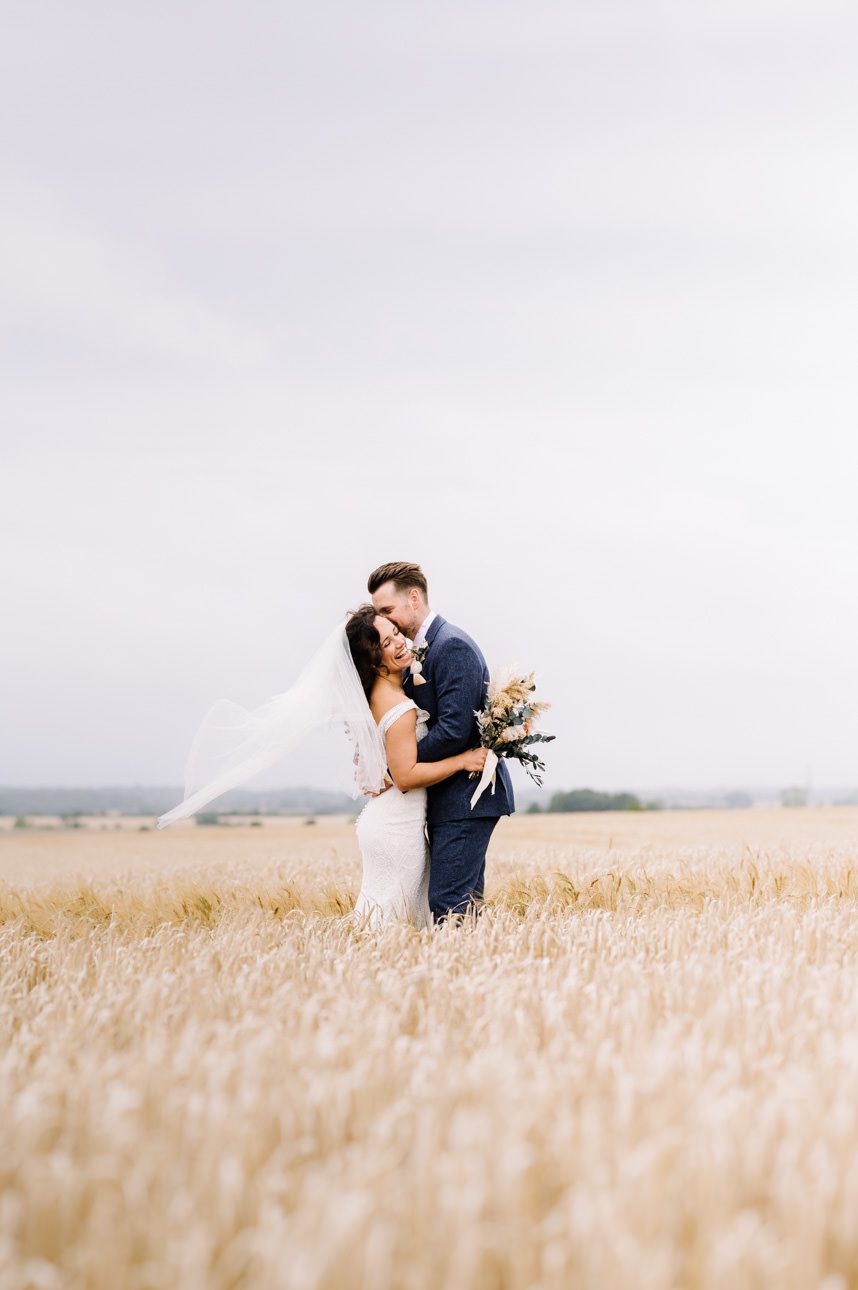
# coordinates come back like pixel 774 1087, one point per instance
pixel 395 654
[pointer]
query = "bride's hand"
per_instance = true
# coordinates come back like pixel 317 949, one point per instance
pixel 388 783
pixel 474 760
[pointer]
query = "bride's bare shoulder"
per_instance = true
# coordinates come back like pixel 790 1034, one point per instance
pixel 384 697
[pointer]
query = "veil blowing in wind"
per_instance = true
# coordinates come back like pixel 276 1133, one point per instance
pixel 234 744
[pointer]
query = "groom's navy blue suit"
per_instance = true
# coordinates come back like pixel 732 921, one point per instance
pixel 456 676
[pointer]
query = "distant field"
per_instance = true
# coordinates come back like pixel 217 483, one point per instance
pixel 638 1069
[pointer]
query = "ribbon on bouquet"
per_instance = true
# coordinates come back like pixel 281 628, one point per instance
pixel 488 776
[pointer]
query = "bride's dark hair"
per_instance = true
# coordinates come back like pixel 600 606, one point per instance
pixel 365 645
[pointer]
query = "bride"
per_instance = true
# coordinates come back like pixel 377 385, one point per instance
pixel 390 833
pixel 354 679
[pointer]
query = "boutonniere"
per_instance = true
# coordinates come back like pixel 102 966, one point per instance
pixel 418 657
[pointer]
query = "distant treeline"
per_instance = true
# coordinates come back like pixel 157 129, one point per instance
pixel 155 801
pixel 586 799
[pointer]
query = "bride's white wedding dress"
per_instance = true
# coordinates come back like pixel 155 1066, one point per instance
pixel 234 744
pixel 393 846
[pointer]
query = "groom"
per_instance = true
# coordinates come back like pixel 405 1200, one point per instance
pixel 455 676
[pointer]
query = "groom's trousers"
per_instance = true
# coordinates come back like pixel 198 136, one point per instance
pixel 457 870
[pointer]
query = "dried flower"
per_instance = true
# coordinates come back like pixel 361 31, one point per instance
pixel 507 722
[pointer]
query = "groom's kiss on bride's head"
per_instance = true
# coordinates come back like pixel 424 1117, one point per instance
pixel 400 592
pixel 451 672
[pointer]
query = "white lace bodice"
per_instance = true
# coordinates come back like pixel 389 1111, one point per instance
pixel 399 709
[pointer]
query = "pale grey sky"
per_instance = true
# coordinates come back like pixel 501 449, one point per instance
pixel 558 299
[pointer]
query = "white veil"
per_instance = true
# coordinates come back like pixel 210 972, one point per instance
pixel 233 745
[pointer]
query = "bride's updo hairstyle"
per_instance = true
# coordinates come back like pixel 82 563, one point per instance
pixel 365 646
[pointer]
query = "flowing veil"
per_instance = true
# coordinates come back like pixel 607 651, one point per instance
pixel 233 744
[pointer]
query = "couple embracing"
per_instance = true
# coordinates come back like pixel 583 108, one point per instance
pixel 407 685
pixel 426 716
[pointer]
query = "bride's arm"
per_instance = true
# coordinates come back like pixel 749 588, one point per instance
pixel 407 772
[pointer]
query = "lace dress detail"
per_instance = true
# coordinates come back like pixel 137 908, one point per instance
pixel 393 846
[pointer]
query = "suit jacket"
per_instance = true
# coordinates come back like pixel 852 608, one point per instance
pixel 456 677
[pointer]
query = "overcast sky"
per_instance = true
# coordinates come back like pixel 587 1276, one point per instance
pixel 557 299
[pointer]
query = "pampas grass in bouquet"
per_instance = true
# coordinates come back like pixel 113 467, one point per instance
pixel 508 726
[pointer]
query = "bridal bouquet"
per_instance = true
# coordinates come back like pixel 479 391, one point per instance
pixel 507 726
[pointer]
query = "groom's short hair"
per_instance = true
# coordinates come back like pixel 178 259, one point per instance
pixel 401 574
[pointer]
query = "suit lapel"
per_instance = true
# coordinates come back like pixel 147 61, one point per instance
pixel 434 628
pixel 424 695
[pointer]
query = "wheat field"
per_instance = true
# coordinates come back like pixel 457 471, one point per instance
pixel 638 1069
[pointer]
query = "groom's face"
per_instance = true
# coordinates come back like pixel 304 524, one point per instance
pixel 404 608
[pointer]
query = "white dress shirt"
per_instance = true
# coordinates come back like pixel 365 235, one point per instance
pixel 423 629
